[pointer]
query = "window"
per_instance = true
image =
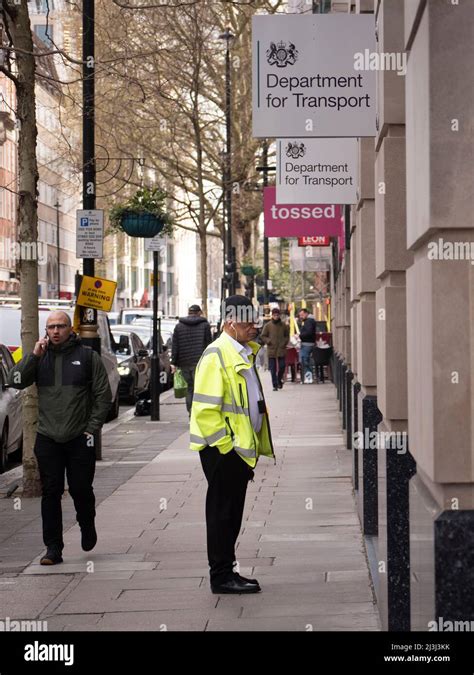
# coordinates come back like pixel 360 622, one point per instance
pixel 169 282
pixel 170 255
pixel 40 31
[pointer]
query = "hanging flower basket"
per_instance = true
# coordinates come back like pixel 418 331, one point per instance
pixel 142 215
pixel 141 224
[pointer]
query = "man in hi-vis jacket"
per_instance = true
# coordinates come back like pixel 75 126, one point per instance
pixel 230 428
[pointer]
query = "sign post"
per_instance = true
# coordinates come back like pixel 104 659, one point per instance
pixel 157 245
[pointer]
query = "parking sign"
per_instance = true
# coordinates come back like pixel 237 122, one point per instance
pixel 90 234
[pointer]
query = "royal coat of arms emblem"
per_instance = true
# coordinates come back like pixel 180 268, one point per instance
pixel 281 56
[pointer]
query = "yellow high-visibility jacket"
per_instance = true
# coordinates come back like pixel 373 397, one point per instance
pixel 220 412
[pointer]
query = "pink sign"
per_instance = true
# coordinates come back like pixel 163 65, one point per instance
pixel 300 220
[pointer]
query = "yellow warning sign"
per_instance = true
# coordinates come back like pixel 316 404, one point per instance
pixel 96 293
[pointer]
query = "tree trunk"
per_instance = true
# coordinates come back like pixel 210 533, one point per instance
pixel 203 250
pixel 28 230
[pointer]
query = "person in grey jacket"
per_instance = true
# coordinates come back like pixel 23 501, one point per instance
pixel 74 399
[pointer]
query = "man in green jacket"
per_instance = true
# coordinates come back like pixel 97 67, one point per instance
pixel 276 335
pixel 74 399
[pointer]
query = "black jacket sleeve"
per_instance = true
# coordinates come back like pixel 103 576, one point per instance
pixel 175 348
pixel 101 395
pixel 207 335
pixel 24 373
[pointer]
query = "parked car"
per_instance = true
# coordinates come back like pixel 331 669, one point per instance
pixel 143 333
pixel 134 364
pixel 167 326
pixel 128 315
pixel 11 420
pixel 144 328
pixel 167 323
pixel 114 317
pixel 10 335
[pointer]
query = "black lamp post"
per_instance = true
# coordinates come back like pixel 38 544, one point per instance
pixel 57 206
pixel 88 316
pixel 266 264
pixel 155 385
pixel 227 36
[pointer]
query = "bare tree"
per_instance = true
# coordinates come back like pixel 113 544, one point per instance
pixel 20 68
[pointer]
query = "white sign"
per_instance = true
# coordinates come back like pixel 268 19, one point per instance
pixel 155 244
pixel 307 76
pixel 90 234
pixel 317 171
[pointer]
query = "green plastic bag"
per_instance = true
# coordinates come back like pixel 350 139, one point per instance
pixel 179 384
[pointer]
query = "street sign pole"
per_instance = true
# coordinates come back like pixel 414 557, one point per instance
pixel 266 262
pixel 88 316
pixel 155 359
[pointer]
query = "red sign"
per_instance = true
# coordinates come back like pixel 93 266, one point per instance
pixel 322 240
pixel 300 220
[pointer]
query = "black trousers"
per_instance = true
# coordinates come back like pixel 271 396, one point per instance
pixel 227 476
pixel 274 364
pixel 77 459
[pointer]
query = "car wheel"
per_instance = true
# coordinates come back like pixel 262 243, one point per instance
pixel 3 449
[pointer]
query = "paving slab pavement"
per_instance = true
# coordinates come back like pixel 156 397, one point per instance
pixel 300 535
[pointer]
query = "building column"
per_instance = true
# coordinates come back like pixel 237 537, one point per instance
pixel 366 285
pixel 396 466
pixel 440 308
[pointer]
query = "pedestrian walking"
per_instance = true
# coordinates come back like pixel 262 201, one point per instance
pixel 230 429
pixel 74 399
pixel 307 326
pixel 191 336
pixel 276 335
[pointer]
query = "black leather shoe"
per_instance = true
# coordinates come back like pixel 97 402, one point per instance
pixel 51 557
pixel 247 581
pixel 235 585
pixel 89 537
pixel 275 388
